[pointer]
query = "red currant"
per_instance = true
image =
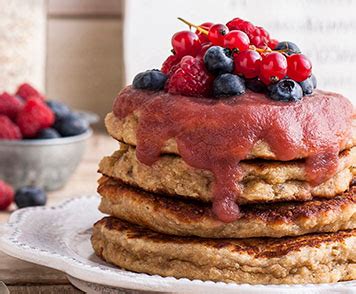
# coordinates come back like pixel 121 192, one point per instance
pixel 217 33
pixel 273 68
pixel 247 63
pixel 236 40
pixel 299 67
pixel 203 37
pixel 186 43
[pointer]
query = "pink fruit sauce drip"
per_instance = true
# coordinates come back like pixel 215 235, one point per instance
pixel 216 135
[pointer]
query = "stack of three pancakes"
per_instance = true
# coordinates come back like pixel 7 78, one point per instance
pixel 162 222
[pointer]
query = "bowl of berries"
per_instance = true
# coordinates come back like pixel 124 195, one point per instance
pixel 41 141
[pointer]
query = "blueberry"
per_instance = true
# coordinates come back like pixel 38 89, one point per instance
pixel 71 125
pixel 48 133
pixel 286 90
pixel 30 196
pixel 228 85
pixel 59 109
pixel 150 80
pixel 290 47
pixel 255 85
pixel 218 61
pixel 314 81
pixel 307 86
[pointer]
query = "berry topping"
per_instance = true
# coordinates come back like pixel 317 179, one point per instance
pixel 48 133
pixel 34 116
pixel 247 64
pixel 299 67
pixel 273 68
pixel 240 48
pixel 8 130
pixel 71 125
pixel 169 63
pixel 9 105
pixel 237 41
pixel 59 109
pixel 6 195
pixel 186 43
pixel 30 196
pixel 218 61
pixel 286 90
pixel 203 37
pixel 26 91
pixel 229 85
pixel 150 80
pixel 255 85
pixel 190 78
pixel 288 48
pixel 216 34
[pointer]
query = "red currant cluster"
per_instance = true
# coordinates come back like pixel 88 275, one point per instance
pixel 250 47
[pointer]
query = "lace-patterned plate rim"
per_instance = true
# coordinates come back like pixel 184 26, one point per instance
pixel 15 240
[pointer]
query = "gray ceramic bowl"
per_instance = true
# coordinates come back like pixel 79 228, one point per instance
pixel 44 163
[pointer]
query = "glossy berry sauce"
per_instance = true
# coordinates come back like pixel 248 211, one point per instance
pixel 217 134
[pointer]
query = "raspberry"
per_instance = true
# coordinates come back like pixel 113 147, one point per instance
pixel 263 32
pixel 25 91
pixel 258 36
pixel 273 43
pixel 169 63
pixel 9 105
pixel 6 195
pixel 190 78
pixel 8 130
pixel 203 50
pixel 34 116
pixel 242 25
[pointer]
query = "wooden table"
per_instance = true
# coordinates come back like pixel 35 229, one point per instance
pixel 24 277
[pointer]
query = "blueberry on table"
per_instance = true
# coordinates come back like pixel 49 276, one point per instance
pixel 307 86
pixel 217 60
pixel 150 80
pixel 48 133
pixel 228 85
pixel 71 125
pixel 289 47
pixel 59 109
pixel 255 85
pixel 30 196
pixel 286 90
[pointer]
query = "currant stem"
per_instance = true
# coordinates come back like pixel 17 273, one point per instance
pixel 200 29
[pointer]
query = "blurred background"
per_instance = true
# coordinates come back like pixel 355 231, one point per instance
pixel 83 52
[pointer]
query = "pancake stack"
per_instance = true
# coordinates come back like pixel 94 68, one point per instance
pixel 162 220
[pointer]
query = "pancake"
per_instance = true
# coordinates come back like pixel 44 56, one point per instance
pixel 185 218
pixel 125 130
pixel 263 181
pixel 315 258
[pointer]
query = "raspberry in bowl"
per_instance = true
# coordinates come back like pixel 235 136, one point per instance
pixel 41 141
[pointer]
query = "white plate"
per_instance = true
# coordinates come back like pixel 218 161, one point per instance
pixel 59 237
